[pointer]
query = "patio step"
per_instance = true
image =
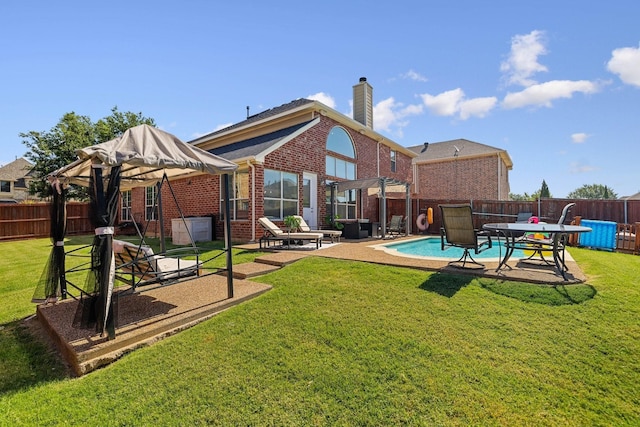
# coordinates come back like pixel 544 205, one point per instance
pixel 252 269
pixel 280 259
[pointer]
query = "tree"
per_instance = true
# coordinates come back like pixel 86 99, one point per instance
pixel 49 151
pixel 544 190
pixel 593 191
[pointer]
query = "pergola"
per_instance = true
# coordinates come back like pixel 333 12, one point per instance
pixel 381 185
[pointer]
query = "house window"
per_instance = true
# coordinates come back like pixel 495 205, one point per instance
pixel 393 160
pixel 5 186
pixel 239 197
pixel 345 203
pixel 339 141
pixel 280 194
pixel 125 206
pixel 151 203
pixel 340 168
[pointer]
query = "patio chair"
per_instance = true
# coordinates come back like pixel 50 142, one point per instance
pixel 457 231
pixel 273 233
pixel 331 234
pixel 396 225
pixel 539 244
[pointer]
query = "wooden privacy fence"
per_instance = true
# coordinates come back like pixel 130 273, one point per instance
pixel 31 220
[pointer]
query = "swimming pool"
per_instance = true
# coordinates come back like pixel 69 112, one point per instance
pixel 429 248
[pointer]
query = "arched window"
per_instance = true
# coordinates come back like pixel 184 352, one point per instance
pixel 339 141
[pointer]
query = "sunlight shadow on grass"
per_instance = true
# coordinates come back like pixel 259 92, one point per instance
pixel 553 295
pixel 24 360
pixel 446 284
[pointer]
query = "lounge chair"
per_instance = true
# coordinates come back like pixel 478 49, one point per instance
pixel 273 233
pixel 457 231
pixel 331 234
pixel 138 265
pixel 396 226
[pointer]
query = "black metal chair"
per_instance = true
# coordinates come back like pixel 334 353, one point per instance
pixel 457 231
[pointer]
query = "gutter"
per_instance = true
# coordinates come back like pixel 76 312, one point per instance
pixel 253 200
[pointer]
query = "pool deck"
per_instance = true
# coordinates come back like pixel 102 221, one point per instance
pixel 371 250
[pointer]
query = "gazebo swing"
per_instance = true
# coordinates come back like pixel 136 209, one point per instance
pixel 142 156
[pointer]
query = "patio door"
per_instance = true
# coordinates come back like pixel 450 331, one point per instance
pixel 310 199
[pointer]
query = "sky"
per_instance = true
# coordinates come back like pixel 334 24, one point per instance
pixel 554 83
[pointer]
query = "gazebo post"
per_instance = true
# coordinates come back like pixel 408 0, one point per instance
pixel 383 207
pixel 408 222
pixel 227 236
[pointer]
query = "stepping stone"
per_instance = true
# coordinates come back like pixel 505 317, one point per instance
pixel 252 269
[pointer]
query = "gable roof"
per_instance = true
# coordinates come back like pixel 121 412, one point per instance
pixel 457 148
pixel 15 170
pixel 258 147
pixel 286 115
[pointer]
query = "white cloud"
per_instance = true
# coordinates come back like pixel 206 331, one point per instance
pixel 625 62
pixel 444 104
pixel 391 116
pixel 453 102
pixel 522 62
pixel 478 107
pixel 576 167
pixel 324 98
pixel 544 93
pixel 579 138
pixel 413 75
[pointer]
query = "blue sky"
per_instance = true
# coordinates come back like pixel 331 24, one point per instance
pixel 555 83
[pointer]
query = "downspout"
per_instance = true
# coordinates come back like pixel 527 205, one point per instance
pixel 253 200
pixel 378 160
pixel 499 181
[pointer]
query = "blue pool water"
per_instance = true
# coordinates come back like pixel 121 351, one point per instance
pixel 430 247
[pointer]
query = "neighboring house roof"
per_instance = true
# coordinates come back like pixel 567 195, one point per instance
pixel 258 147
pixel 632 197
pixel 299 110
pixel 457 148
pixel 15 170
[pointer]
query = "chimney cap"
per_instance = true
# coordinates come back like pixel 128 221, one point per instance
pixel 363 79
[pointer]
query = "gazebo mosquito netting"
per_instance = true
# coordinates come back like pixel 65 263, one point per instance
pixel 142 156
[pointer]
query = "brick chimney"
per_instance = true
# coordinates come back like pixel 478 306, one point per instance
pixel 363 103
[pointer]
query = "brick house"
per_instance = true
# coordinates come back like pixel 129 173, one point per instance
pixel 14 181
pixel 461 169
pixel 287 156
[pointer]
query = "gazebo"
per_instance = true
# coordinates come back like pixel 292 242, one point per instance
pixel 142 156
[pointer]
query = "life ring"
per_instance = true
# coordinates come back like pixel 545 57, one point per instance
pixel 422 222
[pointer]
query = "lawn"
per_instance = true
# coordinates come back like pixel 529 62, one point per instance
pixel 348 343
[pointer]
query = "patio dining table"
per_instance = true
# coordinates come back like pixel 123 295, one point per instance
pixel 513 231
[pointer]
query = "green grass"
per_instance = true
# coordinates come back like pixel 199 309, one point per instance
pixel 347 343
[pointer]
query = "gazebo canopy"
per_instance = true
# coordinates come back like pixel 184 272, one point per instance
pixel 146 155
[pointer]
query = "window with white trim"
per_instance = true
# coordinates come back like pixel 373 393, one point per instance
pixel 151 203
pixel 239 197
pixel 125 206
pixel 393 155
pixel 280 194
pixel 5 186
pixel 339 142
